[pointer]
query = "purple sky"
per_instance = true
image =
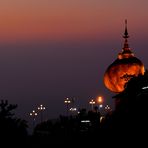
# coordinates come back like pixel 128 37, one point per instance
pixel 51 50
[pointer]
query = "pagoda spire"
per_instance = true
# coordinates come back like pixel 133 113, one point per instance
pixel 126 36
pixel 126 51
pixel 126 32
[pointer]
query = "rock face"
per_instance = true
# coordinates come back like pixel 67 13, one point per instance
pixel 120 71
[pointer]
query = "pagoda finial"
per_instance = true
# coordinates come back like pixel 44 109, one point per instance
pixel 126 51
pixel 126 32
pixel 125 36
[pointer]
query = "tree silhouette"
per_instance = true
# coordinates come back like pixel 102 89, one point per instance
pixel 5 109
pixel 131 109
pixel 11 127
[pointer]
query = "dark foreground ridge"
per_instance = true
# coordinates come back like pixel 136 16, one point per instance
pixel 126 124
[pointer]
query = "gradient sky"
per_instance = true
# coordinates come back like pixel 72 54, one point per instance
pixel 52 49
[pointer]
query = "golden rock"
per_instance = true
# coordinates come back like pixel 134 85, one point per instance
pixel 123 68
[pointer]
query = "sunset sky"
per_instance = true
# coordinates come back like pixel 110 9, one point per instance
pixel 52 49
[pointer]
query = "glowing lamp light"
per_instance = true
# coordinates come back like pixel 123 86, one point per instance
pixel 33 114
pixel 41 107
pixel 100 105
pixel 100 100
pixel 67 101
pixel 107 107
pixel 92 101
pixel 73 109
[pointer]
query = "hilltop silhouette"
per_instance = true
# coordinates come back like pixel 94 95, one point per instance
pixel 128 121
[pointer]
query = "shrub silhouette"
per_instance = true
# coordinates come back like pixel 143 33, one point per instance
pixel 11 128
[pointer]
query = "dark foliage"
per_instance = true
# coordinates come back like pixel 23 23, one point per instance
pixel 12 129
pixel 127 124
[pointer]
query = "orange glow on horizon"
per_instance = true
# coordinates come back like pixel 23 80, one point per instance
pixel 58 20
pixel 54 22
pixel 43 21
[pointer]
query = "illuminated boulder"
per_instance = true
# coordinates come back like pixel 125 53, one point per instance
pixel 123 68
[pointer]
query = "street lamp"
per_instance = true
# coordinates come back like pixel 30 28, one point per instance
pixel 107 108
pixel 92 102
pixel 73 110
pixel 67 102
pixel 100 101
pixel 33 114
pixel 41 108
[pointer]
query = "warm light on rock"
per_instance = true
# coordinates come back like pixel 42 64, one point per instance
pixel 123 68
pixel 120 71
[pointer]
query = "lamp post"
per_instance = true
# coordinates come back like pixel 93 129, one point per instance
pixel 107 108
pixel 73 110
pixel 92 102
pixel 100 102
pixel 67 102
pixel 41 108
pixel 33 114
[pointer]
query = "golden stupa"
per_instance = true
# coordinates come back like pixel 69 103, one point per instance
pixel 123 68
